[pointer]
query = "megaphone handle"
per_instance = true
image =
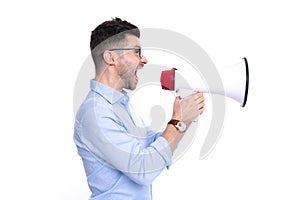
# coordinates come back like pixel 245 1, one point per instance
pixel 184 93
pixel 185 96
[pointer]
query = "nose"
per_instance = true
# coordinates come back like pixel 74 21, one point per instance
pixel 143 60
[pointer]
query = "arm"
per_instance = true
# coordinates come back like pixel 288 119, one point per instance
pixel 108 139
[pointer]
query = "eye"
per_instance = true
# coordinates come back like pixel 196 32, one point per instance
pixel 137 51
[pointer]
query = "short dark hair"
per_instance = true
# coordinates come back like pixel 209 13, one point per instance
pixel 110 28
pixel 108 33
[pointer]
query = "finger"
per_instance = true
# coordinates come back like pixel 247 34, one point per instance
pixel 201 110
pixel 198 95
pixel 201 105
pixel 200 100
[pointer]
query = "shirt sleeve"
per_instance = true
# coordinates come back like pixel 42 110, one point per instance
pixel 107 138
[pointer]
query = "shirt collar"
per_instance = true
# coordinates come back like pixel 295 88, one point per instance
pixel 110 94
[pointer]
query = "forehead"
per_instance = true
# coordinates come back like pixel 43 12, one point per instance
pixel 132 40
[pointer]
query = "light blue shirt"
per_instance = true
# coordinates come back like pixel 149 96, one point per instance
pixel 121 157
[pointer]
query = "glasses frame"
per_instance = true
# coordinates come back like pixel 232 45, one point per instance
pixel 132 48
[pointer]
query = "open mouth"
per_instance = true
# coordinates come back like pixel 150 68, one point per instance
pixel 136 76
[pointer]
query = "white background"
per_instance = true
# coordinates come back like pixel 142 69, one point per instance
pixel 43 45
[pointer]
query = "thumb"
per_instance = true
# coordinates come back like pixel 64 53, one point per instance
pixel 178 98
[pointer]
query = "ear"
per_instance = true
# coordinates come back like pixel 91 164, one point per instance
pixel 108 57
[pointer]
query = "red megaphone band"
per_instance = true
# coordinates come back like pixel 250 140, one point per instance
pixel 167 79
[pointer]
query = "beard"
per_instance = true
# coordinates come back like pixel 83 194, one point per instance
pixel 128 78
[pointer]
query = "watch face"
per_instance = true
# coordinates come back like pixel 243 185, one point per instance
pixel 181 126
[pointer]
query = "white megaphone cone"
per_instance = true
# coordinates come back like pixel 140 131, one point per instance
pixel 235 80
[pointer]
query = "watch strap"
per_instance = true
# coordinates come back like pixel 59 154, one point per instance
pixel 174 122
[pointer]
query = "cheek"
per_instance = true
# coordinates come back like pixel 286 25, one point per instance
pixel 128 66
pixel 124 69
pixel 131 60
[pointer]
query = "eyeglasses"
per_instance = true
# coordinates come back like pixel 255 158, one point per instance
pixel 138 50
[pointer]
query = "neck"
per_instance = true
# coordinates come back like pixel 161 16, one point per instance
pixel 110 78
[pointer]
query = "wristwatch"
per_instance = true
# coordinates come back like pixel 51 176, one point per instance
pixel 179 125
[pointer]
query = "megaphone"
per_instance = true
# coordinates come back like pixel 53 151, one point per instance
pixel 235 81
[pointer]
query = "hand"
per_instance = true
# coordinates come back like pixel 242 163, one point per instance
pixel 189 108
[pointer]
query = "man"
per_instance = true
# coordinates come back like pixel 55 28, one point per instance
pixel 121 156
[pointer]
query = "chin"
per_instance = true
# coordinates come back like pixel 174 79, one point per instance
pixel 133 86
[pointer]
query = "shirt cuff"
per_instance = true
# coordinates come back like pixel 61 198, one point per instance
pixel 163 148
